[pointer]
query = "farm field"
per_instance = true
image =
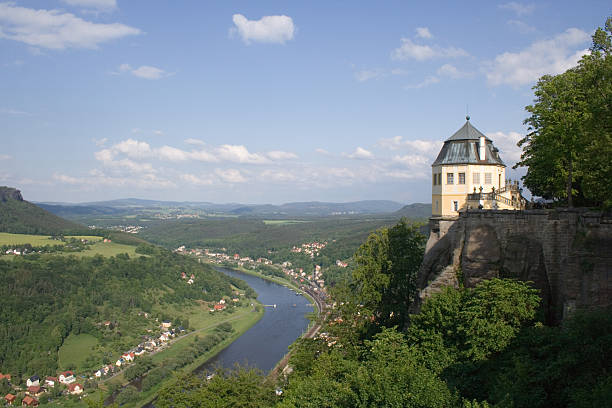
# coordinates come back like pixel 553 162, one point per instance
pixel 75 350
pixel 106 249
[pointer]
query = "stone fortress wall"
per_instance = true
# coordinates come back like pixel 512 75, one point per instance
pixel 566 253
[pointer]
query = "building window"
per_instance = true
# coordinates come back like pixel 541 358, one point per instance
pixel 456 205
pixel 461 178
pixel 476 178
pixel 487 178
pixel 435 179
pixel 450 178
pixel 436 205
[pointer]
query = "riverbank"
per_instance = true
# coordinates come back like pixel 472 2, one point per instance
pixel 241 323
pixel 275 279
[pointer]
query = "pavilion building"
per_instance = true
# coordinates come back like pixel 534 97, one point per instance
pixel 469 173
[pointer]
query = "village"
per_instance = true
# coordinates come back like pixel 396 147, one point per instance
pixel 68 384
pixel 313 280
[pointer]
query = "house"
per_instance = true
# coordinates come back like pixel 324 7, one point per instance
pixel 469 173
pixel 222 302
pixel 166 324
pixel 29 401
pixel 33 380
pixel 67 377
pixel 120 362
pixel 190 281
pixel 35 390
pixel 98 373
pixel 139 351
pixel 51 381
pixel 128 356
pixel 5 376
pixel 10 398
pixel 219 307
pixel 75 389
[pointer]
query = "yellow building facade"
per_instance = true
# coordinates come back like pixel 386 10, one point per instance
pixel 469 173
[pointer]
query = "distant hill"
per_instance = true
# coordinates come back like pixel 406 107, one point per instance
pixel 299 209
pixel 416 210
pixel 22 217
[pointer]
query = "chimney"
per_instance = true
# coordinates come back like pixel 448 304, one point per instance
pixel 482 148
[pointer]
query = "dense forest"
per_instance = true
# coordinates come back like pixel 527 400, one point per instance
pixel 45 298
pixel 21 217
pixel 466 347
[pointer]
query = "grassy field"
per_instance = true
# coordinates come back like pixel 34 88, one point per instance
pixel 20 239
pixel 283 222
pixel 75 350
pixel 108 249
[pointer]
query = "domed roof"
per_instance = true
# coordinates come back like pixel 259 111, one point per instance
pixel 463 148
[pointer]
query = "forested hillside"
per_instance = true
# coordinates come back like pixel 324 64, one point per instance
pixel 44 299
pixel 21 217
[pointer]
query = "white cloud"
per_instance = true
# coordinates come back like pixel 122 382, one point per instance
pixel 105 5
pixel 198 181
pixel 518 8
pixel 367 74
pixel 172 154
pixel 412 160
pixel 360 153
pixel 5 157
pixel 133 148
pixel 269 29
pixel 451 71
pixel 426 82
pixel 158 132
pixel 240 154
pixel 552 56
pixel 230 175
pixel 203 155
pixel 54 29
pixel 430 147
pixel 279 176
pixel 506 143
pixel 423 32
pixel 280 155
pixel 195 142
pixel 149 72
pixel 322 151
pixel 98 178
pixel 411 50
pixel 100 142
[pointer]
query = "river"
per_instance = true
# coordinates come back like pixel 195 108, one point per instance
pixel 265 344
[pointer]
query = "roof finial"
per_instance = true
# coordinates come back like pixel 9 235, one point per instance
pixel 467 112
pixel 467 117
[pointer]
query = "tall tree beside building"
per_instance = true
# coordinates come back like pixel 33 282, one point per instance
pixel 569 143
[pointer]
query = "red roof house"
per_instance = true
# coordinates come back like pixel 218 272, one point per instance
pixel 29 401
pixel 10 398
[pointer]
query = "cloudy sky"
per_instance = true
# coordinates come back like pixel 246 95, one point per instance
pixel 265 101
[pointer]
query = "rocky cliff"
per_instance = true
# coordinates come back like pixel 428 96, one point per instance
pixel 566 253
pixel 9 193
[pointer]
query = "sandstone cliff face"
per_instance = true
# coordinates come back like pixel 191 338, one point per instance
pixel 9 193
pixel 567 254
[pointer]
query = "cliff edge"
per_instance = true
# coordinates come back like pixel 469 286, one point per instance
pixel 566 253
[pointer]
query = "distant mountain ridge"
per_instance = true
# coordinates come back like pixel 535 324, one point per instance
pixel 22 217
pixel 313 208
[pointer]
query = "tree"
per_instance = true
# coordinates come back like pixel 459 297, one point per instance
pixel 569 143
pixel 384 281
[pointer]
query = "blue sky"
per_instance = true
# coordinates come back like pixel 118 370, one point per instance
pixel 265 101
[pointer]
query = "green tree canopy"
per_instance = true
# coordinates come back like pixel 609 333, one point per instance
pixel 568 148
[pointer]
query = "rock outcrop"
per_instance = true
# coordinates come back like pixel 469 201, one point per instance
pixel 9 193
pixel 567 254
